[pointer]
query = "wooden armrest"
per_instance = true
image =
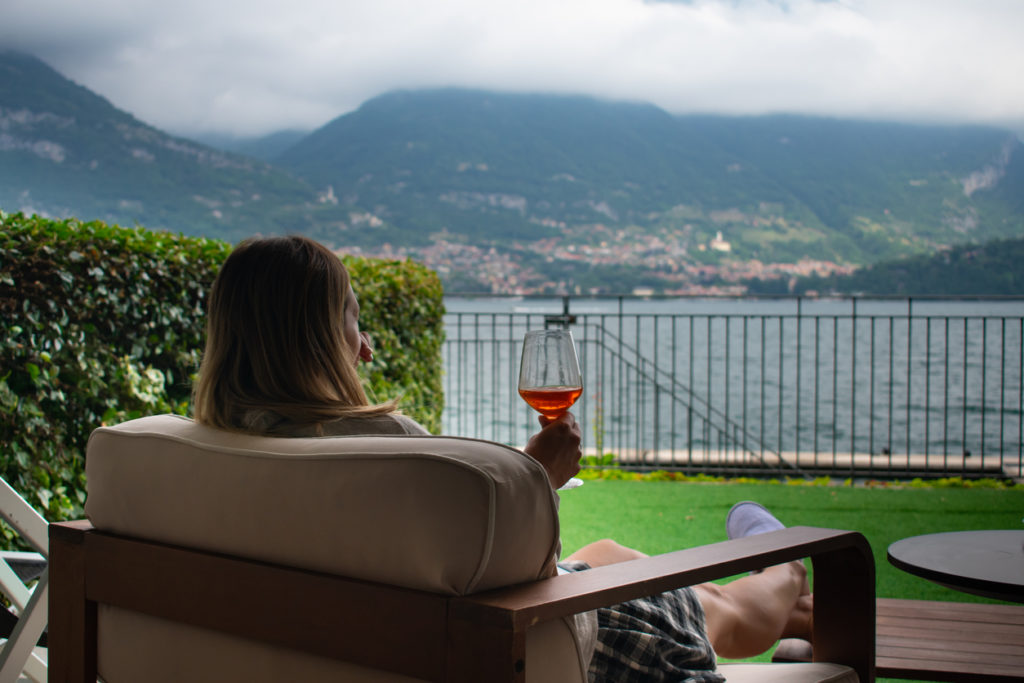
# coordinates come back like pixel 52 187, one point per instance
pixel 844 587
pixel 466 639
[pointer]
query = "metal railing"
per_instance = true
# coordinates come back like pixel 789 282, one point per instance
pixel 878 388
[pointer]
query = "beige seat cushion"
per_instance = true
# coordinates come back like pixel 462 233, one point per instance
pixel 818 672
pixel 388 509
pixel 391 509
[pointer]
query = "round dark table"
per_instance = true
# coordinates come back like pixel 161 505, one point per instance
pixel 987 563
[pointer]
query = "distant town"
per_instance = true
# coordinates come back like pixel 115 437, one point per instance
pixel 539 267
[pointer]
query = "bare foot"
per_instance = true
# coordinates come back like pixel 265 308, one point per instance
pixel 793 650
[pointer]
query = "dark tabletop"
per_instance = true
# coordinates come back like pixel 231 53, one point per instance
pixel 988 563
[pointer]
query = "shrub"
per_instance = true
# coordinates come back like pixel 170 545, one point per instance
pixel 101 324
pixel 402 307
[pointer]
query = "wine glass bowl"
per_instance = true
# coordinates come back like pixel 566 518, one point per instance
pixel 549 374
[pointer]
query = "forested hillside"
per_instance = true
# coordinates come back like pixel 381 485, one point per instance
pixel 65 151
pixel 512 168
pixel 994 268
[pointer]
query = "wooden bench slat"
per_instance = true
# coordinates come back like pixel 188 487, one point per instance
pixel 952 656
pixel 949 641
pixel 992 626
pixel 887 642
pixel 892 667
pixel 944 633
pixel 989 623
pixel 953 611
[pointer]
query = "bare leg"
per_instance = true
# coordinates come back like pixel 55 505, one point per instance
pixel 605 551
pixel 749 615
pixel 744 617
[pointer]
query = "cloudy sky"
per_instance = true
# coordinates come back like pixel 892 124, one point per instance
pixel 250 67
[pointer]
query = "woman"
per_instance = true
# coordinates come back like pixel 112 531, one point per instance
pixel 283 344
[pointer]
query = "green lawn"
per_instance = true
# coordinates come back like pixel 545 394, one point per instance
pixel 658 517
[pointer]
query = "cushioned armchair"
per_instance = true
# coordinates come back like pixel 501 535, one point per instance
pixel 213 556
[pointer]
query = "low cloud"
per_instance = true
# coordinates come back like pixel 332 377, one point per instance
pixel 254 67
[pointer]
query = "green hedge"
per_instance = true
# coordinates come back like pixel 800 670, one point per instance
pixel 401 305
pixel 101 324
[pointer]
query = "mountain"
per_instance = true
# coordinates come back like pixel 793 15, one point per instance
pixel 506 166
pixel 510 168
pixel 66 151
pixel 524 192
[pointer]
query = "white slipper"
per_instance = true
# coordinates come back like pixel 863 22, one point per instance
pixel 748 518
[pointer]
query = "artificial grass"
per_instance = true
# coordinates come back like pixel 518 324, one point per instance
pixel 661 516
pixel 657 517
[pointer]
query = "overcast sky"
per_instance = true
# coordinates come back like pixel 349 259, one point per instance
pixel 249 67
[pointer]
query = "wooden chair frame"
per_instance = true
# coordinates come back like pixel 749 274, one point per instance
pixel 456 639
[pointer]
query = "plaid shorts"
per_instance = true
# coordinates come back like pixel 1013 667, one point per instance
pixel 661 638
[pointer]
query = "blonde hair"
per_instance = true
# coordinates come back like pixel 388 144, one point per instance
pixel 275 345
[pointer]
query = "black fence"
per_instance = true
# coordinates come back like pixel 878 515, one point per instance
pixel 885 388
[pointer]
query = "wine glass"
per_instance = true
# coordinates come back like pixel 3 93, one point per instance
pixel 549 375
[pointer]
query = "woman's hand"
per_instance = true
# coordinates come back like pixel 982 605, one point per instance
pixel 557 447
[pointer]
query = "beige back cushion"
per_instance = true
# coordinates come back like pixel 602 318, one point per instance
pixel 441 514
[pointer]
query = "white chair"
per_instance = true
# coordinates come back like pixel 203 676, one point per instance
pixel 18 654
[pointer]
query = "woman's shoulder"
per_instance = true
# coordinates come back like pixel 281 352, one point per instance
pixel 388 423
pixel 410 425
